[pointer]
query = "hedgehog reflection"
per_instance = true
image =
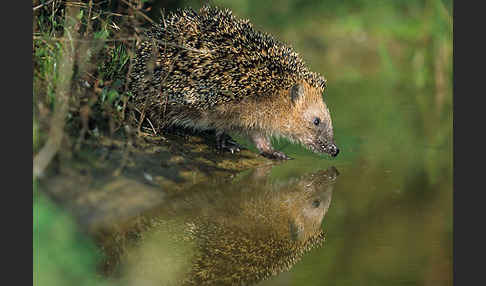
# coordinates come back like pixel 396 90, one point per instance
pixel 239 234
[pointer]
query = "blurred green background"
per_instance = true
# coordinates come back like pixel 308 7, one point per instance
pixel 389 71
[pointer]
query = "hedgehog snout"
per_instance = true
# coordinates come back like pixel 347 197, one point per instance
pixel 330 149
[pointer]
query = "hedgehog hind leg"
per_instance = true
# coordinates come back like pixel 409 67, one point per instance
pixel 224 142
pixel 265 147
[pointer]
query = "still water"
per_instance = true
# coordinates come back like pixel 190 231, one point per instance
pixel 390 220
pixel 224 234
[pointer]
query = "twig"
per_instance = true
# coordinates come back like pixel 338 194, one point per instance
pixel 142 116
pixel 56 132
pixel 42 5
pixel 88 25
pixel 170 68
pixel 127 78
pixel 138 11
pixel 153 129
pixel 82 41
pixel 127 39
pixel 126 152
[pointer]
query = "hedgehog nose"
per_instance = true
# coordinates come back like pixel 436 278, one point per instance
pixel 333 150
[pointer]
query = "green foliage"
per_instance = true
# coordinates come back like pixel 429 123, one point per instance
pixel 115 66
pixel 46 58
pixel 113 70
pixel 61 253
pixel 100 63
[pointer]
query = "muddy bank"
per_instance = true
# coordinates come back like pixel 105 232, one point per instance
pixel 109 179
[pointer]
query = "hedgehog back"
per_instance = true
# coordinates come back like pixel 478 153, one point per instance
pixel 209 58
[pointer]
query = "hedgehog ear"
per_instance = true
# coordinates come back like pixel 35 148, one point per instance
pixel 296 92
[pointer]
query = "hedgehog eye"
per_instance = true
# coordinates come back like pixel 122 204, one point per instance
pixel 317 120
pixel 316 203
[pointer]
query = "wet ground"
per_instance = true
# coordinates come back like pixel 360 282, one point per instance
pixel 110 179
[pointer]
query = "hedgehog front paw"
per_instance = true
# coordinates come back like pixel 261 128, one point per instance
pixel 224 142
pixel 276 155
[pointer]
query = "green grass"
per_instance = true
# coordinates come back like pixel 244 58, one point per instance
pixel 96 46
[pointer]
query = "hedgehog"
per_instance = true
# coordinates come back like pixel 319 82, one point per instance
pixel 211 71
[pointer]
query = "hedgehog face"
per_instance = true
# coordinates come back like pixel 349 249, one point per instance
pixel 312 114
pixel 319 125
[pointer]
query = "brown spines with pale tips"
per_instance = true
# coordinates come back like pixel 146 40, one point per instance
pixel 210 58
